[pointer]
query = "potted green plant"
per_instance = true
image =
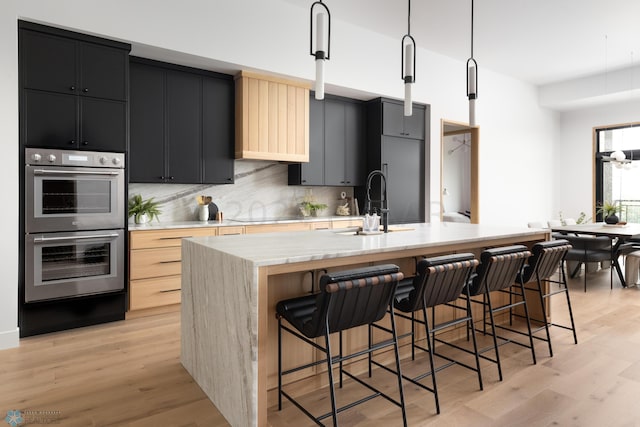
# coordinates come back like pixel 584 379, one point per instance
pixel 312 208
pixel 608 211
pixel 142 210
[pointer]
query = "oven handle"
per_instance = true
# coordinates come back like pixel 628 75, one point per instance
pixel 54 239
pixel 75 172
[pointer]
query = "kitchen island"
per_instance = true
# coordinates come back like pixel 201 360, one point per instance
pixel 230 285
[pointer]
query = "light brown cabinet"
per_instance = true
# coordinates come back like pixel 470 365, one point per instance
pixel 155 257
pixel 155 263
pixel 272 118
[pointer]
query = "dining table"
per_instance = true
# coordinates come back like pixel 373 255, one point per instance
pixel 620 233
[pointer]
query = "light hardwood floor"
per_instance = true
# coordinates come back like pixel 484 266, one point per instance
pixel 129 374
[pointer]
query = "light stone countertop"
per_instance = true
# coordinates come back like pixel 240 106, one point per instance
pixel 159 225
pixel 302 246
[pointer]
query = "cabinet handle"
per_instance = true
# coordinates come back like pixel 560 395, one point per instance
pixel 171 178
pixel 304 180
pixel 348 182
pixel 72 88
pixel 342 182
pixel 170 290
pixel 85 142
pixel 170 262
pixel 229 179
pixel 85 90
pixel 72 142
pixel 174 238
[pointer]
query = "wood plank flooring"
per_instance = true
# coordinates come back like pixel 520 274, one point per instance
pixel 129 374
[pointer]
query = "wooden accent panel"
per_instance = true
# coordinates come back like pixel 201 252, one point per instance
pixel 155 262
pixel 155 292
pixel 272 118
pixel 164 238
pixel 226 231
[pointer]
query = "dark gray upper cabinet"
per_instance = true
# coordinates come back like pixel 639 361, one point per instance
pixel 67 65
pixel 218 98
pixel 395 123
pixel 74 90
pixel 401 157
pixel 181 124
pixel 336 142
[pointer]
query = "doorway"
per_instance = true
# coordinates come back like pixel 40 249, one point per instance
pixel 459 148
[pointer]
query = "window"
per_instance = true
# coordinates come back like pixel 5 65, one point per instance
pixel 617 181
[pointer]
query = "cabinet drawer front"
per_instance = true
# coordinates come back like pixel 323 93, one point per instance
pixel 149 293
pixel 226 231
pixel 338 223
pixel 155 262
pixel 320 225
pixel 166 238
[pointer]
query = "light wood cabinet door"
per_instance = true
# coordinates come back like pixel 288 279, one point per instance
pixel 154 292
pixel 272 118
pixel 155 262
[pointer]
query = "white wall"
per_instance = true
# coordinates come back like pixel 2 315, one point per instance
pixel 574 159
pixel 516 139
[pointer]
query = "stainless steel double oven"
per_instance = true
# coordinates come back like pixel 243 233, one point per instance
pixel 74 223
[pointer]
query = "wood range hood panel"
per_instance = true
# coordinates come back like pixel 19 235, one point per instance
pixel 272 118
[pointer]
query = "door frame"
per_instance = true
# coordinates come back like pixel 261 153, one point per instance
pixel 451 127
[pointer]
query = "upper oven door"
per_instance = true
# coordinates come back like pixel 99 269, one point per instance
pixel 70 198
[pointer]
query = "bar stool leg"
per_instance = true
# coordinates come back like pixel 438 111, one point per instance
pixel 544 313
pixel 493 333
pixel 431 363
pixel 332 391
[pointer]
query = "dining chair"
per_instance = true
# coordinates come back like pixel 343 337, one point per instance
pixel 587 249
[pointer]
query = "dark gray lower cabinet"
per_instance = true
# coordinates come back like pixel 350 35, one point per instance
pixel 336 144
pixel 181 125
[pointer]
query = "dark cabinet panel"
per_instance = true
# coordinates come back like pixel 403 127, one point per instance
pixel 405 178
pixel 48 62
pixel 65 65
pixel 395 123
pixel 402 159
pixel 103 125
pixel 49 120
pixel 217 131
pixel 103 71
pixel 183 109
pixel 74 90
pixel 354 153
pixel 336 141
pixel 181 125
pixel 146 140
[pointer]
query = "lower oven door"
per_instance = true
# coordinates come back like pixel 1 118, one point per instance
pixel 72 264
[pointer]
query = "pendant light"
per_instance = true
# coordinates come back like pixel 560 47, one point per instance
pixel 408 64
pixel 320 26
pixel 472 79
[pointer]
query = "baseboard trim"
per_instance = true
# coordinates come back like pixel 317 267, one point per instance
pixel 9 339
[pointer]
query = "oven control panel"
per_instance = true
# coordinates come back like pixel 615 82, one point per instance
pixel 93 159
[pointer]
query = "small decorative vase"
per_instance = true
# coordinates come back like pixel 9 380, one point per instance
pixel 142 218
pixel 203 212
pixel 612 219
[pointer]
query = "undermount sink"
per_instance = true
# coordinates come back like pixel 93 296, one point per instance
pixel 358 231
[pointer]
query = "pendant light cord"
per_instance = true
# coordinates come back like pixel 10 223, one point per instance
pixel 471 28
pixel 409 18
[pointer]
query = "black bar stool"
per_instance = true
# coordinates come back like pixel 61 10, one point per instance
pixel 347 299
pixel 546 259
pixel 497 271
pixel 438 281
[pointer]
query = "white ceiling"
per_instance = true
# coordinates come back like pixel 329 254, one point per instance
pixel 538 41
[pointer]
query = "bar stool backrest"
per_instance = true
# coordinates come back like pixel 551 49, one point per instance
pixel 498 268
pixel 352 298
pixel 545 259
pixel 438 280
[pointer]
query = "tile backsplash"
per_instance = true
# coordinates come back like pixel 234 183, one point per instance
pixel 260 191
